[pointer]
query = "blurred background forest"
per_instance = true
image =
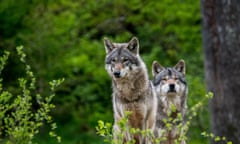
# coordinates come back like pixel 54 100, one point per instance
pixel 64 38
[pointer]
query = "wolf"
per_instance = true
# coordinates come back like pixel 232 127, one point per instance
pixel 132 89
pixel 171 89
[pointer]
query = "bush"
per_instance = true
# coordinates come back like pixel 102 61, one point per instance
pixel 104 129
pixel 22 115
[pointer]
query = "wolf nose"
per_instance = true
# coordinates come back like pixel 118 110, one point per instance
pixel 171 87
pixel 117 74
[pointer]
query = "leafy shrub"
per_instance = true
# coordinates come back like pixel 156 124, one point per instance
pixel 105 129
pixel 20 119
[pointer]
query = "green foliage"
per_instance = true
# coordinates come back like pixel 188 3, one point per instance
pixel 3 60
pixel 21 121
pixel 11 14
pixel 215 138
pixel 105 130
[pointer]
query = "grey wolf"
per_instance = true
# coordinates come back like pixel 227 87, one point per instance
pixel 171 89
pixel 132 89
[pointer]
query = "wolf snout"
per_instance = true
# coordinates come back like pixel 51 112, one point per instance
pixel 172 88
pixel 117 74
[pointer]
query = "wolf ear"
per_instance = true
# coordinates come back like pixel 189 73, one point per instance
pixel 180 66
pixel 156 68
pixel 108 45
pixel 133 45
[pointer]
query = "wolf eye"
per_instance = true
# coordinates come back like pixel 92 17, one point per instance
pixel 125 59
pixel 176 78
pixel 164 79
pixel 113 60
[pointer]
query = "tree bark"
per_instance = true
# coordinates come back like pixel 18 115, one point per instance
pixel 221 42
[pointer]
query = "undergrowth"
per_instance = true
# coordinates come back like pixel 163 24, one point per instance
pixel 20 120
pixel 105 129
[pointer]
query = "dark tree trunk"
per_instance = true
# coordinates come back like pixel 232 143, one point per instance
pixel 221 39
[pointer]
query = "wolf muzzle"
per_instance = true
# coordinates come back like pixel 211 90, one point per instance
pixel 117 74
pixel 117 70
pixel 172 88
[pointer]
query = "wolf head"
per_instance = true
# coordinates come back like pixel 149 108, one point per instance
pixel 122 58
pixel 169 81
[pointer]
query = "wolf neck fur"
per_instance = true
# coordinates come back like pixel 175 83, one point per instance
pixel 168 101
pixel 131 89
